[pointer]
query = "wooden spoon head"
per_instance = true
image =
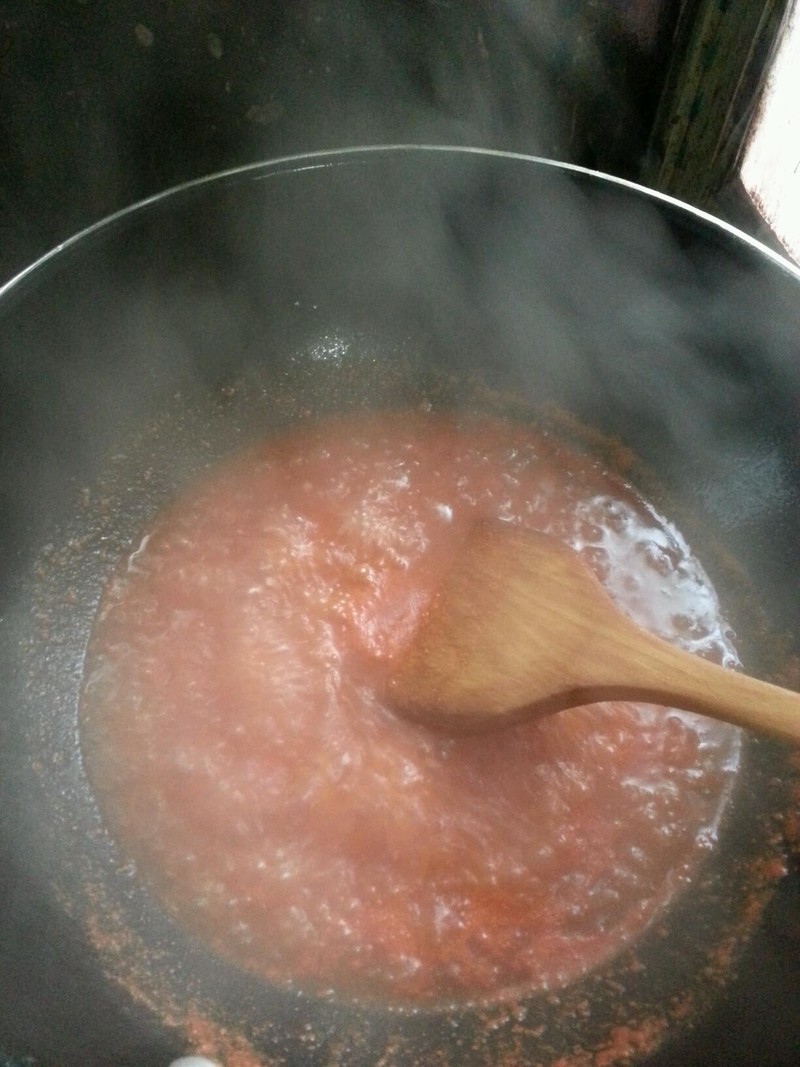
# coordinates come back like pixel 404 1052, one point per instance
pixel 511 635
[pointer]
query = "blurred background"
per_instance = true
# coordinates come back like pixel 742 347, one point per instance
pixel 103 103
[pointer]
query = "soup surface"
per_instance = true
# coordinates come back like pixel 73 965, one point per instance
pixel 234 731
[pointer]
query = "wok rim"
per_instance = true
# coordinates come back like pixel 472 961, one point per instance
pixel 333 156
pixel 327 163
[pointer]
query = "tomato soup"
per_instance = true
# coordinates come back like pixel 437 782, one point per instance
pixel 236 736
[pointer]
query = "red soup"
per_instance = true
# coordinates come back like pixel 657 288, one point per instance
pixel 234 731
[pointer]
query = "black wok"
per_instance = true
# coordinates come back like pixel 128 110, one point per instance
pixel 135 356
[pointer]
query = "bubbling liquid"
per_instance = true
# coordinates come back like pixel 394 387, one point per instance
pixel 234 732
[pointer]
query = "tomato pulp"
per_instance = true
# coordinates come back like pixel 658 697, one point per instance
pixel 235 734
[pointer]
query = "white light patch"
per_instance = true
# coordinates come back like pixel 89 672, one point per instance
pixel 329 350
pixel 194 1061
pixel 771 169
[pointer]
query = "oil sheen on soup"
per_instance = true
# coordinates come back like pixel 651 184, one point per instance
pixel 236 737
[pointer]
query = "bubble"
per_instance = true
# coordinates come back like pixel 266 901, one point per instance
pixel 589 533
pixel 688 625
pixel 616 517
pixel 657 559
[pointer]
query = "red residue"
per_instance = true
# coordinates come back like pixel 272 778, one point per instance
pixel 626 1042
pixel 206 1039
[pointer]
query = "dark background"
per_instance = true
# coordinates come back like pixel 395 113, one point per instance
pixel 102 103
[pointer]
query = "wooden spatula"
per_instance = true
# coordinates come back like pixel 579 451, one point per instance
pixel 521 627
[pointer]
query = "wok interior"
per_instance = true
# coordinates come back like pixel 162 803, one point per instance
pixel 180 332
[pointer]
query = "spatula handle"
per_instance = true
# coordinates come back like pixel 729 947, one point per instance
pixel 660 673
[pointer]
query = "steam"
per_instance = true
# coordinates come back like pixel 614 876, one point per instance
pixel 542 282
pixel 179 332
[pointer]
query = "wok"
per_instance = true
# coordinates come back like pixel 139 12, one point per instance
pixel 137 354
